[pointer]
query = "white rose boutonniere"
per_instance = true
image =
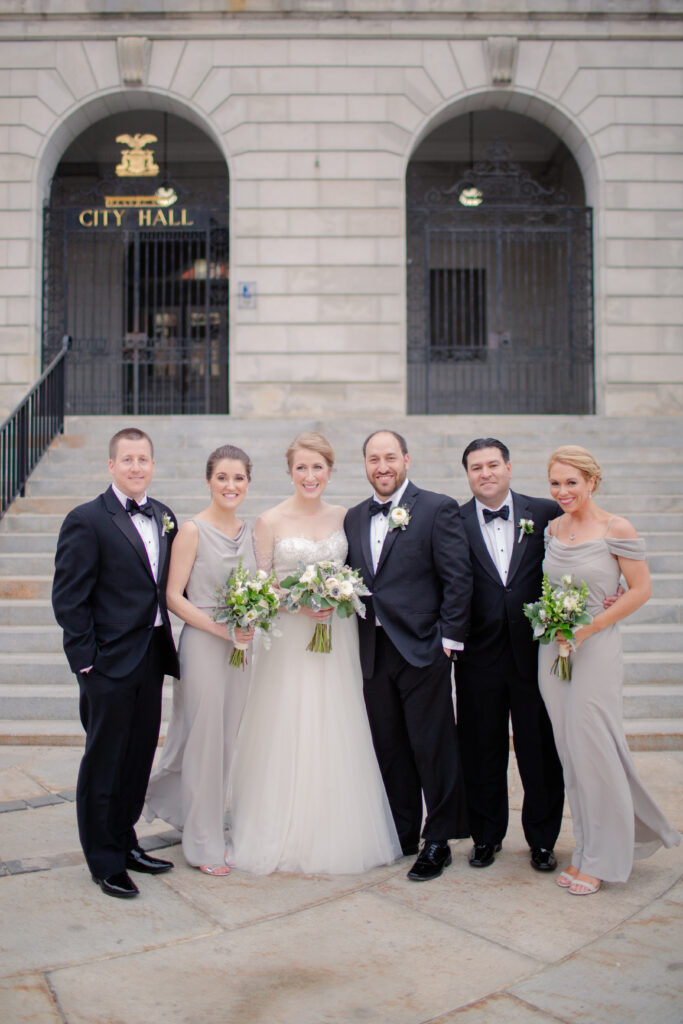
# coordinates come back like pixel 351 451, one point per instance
pixel 167 524
pixel 525 526
pixel 399 517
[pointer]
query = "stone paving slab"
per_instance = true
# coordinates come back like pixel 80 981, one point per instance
pixel 631 975
pixel 59 918
pixel 471 900
pixel 357 959
pixel 240 899
pixel 500 1009
pixel 27 1000
pixel 499 946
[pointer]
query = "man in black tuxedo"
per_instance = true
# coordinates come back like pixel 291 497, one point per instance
pixel 411 550
pixel 497 674
pixel 109 597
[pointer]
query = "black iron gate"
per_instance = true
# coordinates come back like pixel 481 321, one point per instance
pixel 144 296
pixel 499 295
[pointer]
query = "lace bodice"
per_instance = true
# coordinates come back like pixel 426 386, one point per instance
pixel 289 552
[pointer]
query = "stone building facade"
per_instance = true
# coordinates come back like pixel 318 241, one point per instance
pixel 320 111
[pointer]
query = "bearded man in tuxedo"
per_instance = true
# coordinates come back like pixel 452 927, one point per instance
pixel 109 597
pixel 411 550
pixel 497 674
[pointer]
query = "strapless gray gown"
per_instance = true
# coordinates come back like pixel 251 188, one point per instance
pixel 189 787
pixel 615 819
pixel 306 794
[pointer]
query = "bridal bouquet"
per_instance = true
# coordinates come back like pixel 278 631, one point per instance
pixel 321 585
pixel 556 614
pixel 244 602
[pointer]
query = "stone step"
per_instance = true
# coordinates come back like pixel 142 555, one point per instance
pixel 55 701
pixel 653 666
pixel 26 613
pixel 269 454
pixel 651 637
pixel 15 542
pixel 662 700
pixel 657 610
pixel 50 667
pixel 26 588
pixel 642 733
pixel 38 639
pixel 49 732
pixel 46 515
pixel 92 430
pixel 21 701
pixel 46 637
pixel 348 488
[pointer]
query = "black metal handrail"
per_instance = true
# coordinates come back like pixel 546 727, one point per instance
pixel 27 432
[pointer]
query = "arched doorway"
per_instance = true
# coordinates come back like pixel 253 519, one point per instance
pixel 500 270
pixel 136 267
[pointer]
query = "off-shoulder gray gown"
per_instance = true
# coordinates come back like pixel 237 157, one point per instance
pixel 615 819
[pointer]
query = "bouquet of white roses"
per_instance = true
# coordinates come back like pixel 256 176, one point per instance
pixel 557 614
pixel 321 585
pixel 245 602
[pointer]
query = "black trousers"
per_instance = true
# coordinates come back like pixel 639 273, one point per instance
pixel 413 729
pixel 121 718
pixel 486 699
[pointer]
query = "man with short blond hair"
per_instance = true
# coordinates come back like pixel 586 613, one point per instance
pixel 109 597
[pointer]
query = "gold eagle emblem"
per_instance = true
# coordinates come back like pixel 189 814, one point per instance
pixel 137 162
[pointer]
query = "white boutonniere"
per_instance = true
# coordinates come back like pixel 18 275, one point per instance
pixel 399 517
pixel 167 524
pixel 525 526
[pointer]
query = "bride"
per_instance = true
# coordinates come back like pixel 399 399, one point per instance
pixel 306 793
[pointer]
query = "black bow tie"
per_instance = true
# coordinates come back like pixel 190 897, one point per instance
pixel 132 508
pixel 378 508
pixel 503 512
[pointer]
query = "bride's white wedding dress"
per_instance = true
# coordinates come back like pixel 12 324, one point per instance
pixel 305 792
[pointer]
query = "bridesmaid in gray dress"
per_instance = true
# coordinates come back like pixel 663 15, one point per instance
pixel 189 787
pixel 615 819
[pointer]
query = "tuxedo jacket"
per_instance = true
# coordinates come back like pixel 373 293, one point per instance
pixel 421 589
pixel 499 628
pixel 104 594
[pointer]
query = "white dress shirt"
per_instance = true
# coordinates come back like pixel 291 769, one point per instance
pixel 149 534
pixel 379 527
pixel 379 524
pixel 499 535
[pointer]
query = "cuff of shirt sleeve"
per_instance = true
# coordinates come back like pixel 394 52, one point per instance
pixel 452 645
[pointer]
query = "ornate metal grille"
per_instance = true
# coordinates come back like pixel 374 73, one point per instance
pixel 499 295
pixel 146 305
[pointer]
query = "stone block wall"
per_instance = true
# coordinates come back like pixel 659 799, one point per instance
pixel 317 116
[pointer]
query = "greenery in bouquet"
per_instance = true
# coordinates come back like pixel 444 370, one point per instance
pixel 247 602
pixel 322 585
pixel 556 616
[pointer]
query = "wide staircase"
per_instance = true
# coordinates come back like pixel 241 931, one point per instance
pixel 643 479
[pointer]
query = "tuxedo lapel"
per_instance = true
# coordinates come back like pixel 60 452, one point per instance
pixel 122 521
pixel 163 540
pixel 470 519
pixel 408 500
pixel 521 510
pixel 364 520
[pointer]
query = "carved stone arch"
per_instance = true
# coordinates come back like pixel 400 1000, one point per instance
pixel 500 274
pixel 136 257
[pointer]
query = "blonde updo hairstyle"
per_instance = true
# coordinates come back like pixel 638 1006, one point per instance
pixel 581 459
pixel 312 441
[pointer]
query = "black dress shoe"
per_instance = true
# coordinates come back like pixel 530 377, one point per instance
pixel 138 860
pixel 483 854
pixel 542 859
pixel 409 849
pixel 119 885
pixel 432 859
